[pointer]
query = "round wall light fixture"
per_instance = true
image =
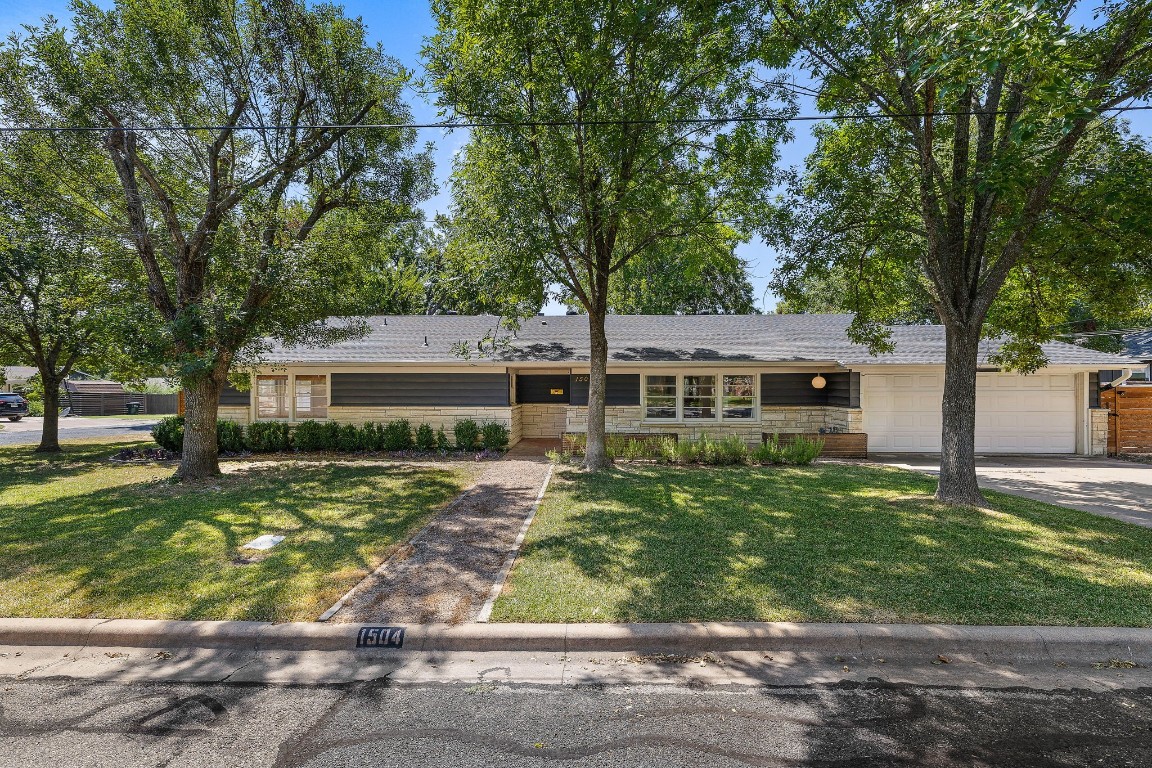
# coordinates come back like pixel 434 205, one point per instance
pixel 819 381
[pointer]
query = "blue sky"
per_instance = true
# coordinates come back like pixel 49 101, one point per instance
pixel 402 25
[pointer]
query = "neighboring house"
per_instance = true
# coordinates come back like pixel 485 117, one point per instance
pixel 16 377
pixel 689 375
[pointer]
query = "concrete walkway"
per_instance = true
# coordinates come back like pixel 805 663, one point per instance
pixel 1107 487
pixel 446 572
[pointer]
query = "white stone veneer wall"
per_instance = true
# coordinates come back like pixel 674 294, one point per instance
pixel 540 420
pixel 236 413
pixel 1097 431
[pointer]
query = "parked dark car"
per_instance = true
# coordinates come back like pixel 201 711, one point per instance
pixel 12 407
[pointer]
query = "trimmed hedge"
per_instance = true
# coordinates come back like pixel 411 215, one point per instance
pixel 467 433
pixel 395 436
pixel 495 436
pixel 169 435
pixel 268 437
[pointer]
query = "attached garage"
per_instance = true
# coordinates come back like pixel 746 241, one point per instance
pixel 1014 413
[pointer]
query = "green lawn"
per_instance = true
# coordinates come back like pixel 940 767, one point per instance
pixel 82 537
pixel 823 543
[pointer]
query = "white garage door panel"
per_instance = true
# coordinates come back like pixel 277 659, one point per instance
pixel 1014 414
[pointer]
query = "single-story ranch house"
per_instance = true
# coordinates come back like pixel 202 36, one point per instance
pixel 687 375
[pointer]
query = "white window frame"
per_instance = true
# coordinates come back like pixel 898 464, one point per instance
pixel 327 396
pixel 719 373
pixel 289 396
pixel 292 416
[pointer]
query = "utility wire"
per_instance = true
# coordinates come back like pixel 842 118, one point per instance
pixel 529 123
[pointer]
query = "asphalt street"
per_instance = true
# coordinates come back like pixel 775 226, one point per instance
pixel 80 723
pixel 27 430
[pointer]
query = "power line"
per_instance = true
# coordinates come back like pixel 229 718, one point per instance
pixel 532 123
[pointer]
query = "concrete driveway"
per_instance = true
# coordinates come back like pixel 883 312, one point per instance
pixel 27 430
pixel 1119 489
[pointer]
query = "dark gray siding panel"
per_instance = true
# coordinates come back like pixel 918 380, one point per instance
pixel 537 388
pixel 842 389
pixel 1094 389
pixel 623 389
pixel 419 389
pixel 232 396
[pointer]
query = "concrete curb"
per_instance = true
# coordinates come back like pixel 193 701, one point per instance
pixel 868 640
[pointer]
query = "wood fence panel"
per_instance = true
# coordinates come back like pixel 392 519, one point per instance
pixel 1129 418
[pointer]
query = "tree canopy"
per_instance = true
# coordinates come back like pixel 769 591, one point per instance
pixel 230 127
pixel 972 138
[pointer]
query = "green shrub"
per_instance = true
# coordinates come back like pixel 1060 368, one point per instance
pixel 687 452
pixel 330 436
pixel 709 450
pixel 666 450
pixel 495 436
pixel 372 436
pixel 35 407
pixel 803 450
pixel 467 434
pixel 442 443
pixel 731 450
pixel 425 438
pixel 268 437
pixel 398 435
pixel 308 436
pixel 350 439
pixel 770 452
pixel 229 437
pixel 169 433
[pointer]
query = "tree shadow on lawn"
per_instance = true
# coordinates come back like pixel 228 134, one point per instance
pixel 21 464
pixel 837 543
pixel 159 550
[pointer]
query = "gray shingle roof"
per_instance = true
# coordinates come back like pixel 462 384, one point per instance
pixel 651 338
pixel 1139 345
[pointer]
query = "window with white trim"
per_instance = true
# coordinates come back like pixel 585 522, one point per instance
pixel 739 395
pixel 697 397
pixel 271 397
pixel 311 397
pixel 660 397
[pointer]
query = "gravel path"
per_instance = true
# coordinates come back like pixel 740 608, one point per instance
pixel 445 572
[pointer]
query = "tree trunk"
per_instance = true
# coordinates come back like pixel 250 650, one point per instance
pixel 595 454
pixel 50 433
pixel 199 458
pixel 958 442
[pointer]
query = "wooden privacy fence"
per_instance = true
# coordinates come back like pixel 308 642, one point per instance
pixel 116 403
pixel 1129 418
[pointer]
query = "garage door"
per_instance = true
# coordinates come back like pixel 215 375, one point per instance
pixel 1014 414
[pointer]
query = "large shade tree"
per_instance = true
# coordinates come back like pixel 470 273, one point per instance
pixel 232 127
pixel 64 298
pixel 983 114
pixel 595 144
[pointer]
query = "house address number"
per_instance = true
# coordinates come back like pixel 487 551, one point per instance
pixel 380 637
pixel 581 377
